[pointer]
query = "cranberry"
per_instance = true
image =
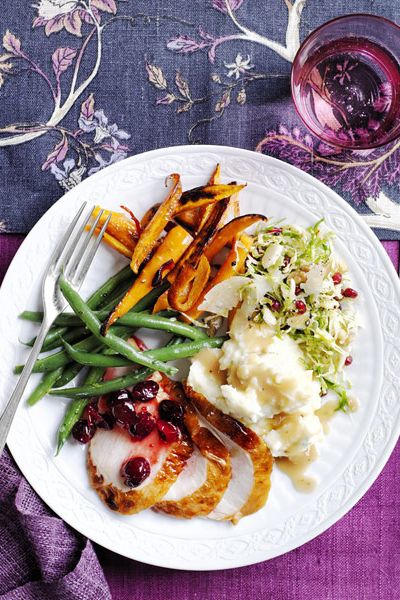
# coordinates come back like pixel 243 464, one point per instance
pixel 144 391
pixel 276 305
pixel 92 415
pixel 144 425
pixel 286 260
pixel 171 411
pixel 83 431
pixel 124 413
pixel 167 431
pixel 107 421
pixel 348 361
pixel 350 293
pixel 135 471
pixel 300 307
pixel 297 290
pixel 117 397
pixel 275 230
pixel 337 278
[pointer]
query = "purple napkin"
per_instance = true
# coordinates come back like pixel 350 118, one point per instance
pixel 42 558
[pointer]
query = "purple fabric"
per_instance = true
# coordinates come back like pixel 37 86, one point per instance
pixel 41 557
pixel 44 559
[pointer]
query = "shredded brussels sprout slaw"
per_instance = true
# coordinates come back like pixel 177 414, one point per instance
pixel 302 286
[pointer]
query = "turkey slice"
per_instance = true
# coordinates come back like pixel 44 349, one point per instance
pixel 205 478
pixel 251 462
pixel 110 449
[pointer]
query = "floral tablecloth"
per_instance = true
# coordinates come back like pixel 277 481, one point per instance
pixel 86 83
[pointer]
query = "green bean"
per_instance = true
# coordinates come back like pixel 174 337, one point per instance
pixel 103 293
pixel 75 409
pixel 97 359
pixel 169 352
pixel 61 358
pixel 135 319
pixel 184 350
pixel 74 334
pixel 47 382
pixel 52 336
pixel 58 359
pixel 110 339
pixel 69 373
pixel 71 320
pixel 104 387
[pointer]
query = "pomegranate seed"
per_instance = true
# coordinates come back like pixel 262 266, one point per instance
pixel 348 361
pixel 171 411
pixel 143 426
pixel 337 278
pixel 124 413
pixel 135 471
pixel 145 390
pixel 167 431
pixel 117 397
pixel 83 431
pixel 275 230
pixel 276 305
pixel 350 293
pixel 301 307
pixel 297 290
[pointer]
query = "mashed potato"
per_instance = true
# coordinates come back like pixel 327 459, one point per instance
pixel 258 378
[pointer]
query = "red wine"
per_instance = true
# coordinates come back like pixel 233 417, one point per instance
pixel 348 92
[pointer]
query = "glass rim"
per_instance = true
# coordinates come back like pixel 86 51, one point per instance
pixel 310 36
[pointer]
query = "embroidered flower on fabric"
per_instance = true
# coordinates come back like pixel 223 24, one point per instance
pixel 69 175
pixel 239 66
pixel 55 15
pixel 95 144
pixel 99 124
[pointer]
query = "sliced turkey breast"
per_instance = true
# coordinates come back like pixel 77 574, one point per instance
pixel 205 478
pixel 251 462
pixel 131 474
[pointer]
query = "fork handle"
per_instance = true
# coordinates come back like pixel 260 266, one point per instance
pixel 11 408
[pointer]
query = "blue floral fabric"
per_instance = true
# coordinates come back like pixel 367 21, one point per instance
pixel 86 83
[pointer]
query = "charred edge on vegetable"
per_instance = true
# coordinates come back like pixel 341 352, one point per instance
pixel 148 257
pixel 158 277
pixel 197 193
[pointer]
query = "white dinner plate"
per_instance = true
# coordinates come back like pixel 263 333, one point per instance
pixel 356 447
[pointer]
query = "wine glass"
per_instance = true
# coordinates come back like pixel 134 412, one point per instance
pixel 346 81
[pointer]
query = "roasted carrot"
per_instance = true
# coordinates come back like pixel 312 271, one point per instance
pixel 185 273
pixel 232 265
pixel 119 227
pixel 230 231
pixel 155 226
pixel 204 212
pixel 171 248
pixel 116 244
pixel 206 194
pixel 188 285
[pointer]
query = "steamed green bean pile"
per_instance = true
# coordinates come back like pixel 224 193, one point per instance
pixel 80 345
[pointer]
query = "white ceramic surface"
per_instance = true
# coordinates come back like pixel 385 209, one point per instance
pixel 357 446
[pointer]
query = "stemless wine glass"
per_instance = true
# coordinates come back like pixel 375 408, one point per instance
pixel 346 81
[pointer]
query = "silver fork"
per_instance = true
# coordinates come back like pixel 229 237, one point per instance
pixel 73 257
